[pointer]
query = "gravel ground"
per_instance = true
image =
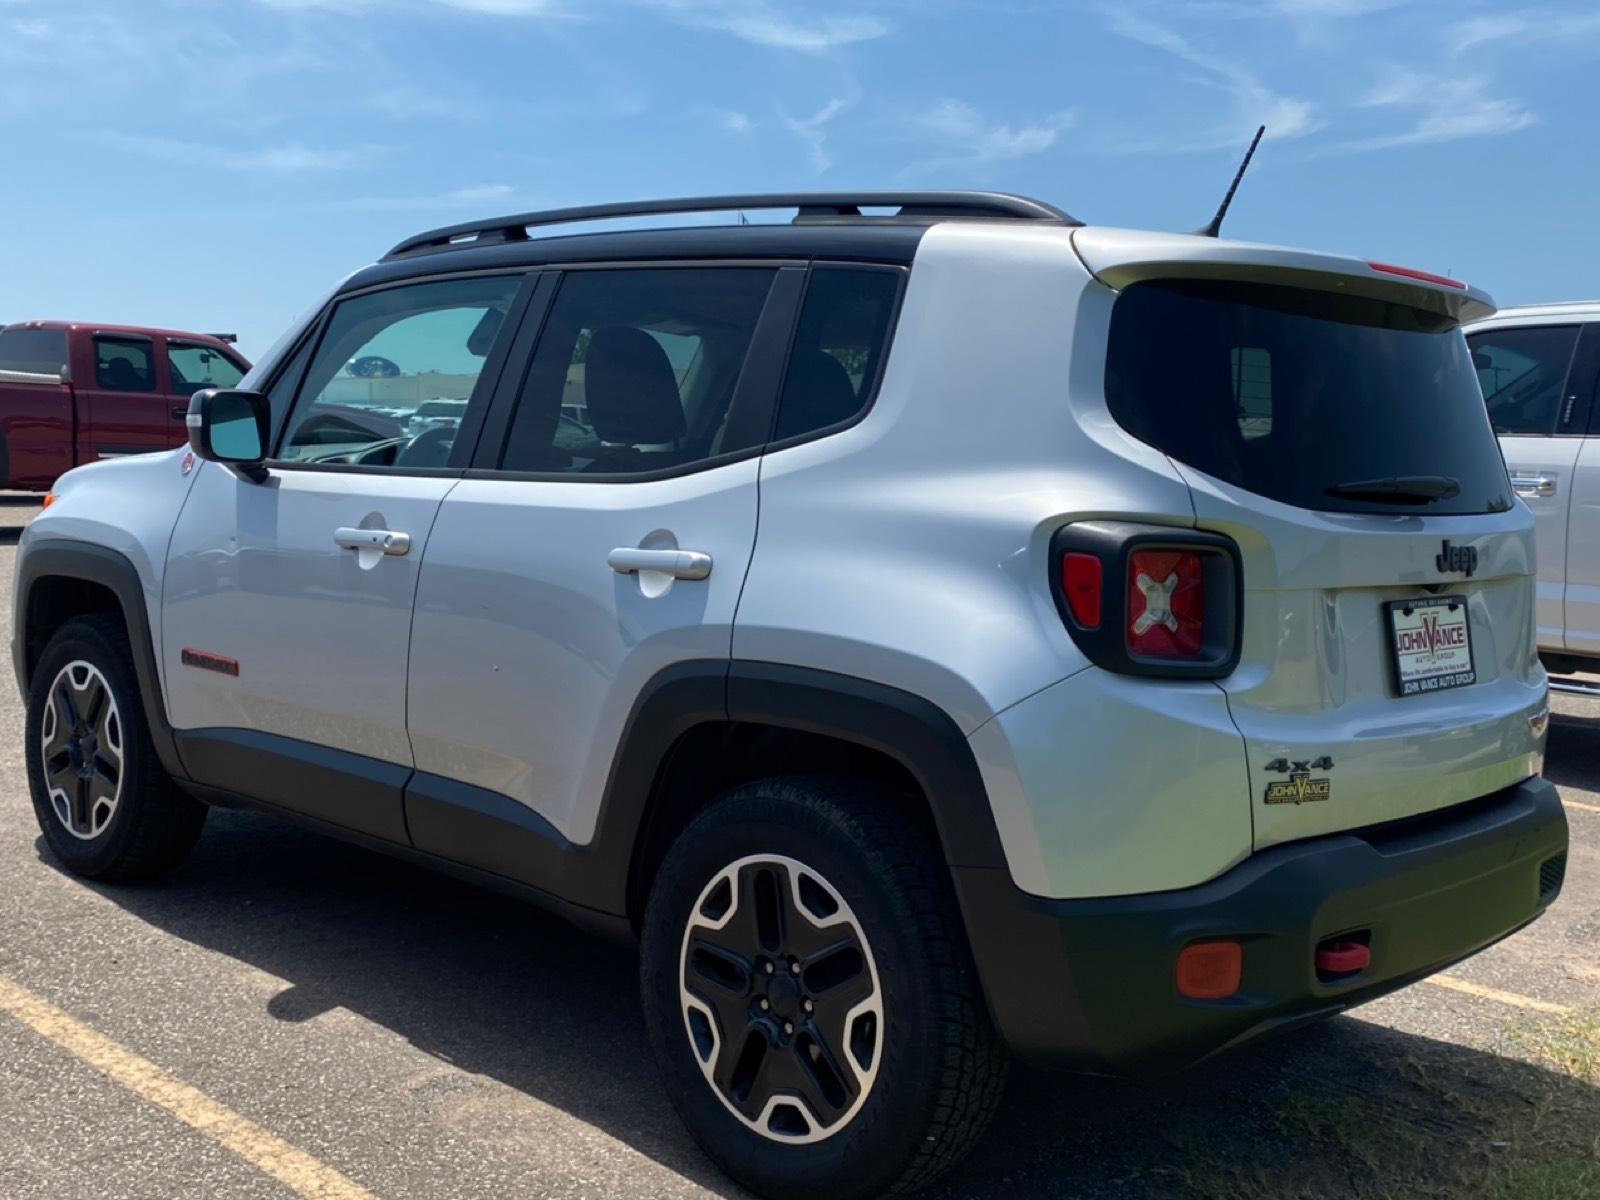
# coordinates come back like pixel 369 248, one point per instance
pixel 432 1041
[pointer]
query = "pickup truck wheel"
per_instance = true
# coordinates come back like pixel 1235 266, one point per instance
pixel 105 806
pixel 810 997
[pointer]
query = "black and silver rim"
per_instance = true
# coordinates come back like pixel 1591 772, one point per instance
pixel 781 999
pixel 81 737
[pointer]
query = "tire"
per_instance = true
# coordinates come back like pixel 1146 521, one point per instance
pixel 823 876
pixel 103 803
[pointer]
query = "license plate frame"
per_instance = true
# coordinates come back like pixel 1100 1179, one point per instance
pixel 1444 677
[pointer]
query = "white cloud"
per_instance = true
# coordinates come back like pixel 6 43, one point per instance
pixel 973 140
pixel 1257 104
pixel 763 24
pixel 404 103
pixel 735 122
pixel 813 132
pixel 1448 109
pixel 283 158
pixel 1523 26
pixel 485 197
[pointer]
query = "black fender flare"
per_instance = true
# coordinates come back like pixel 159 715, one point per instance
pixel 907 728
pixel 68 558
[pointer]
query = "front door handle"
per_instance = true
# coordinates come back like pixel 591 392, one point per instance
pixel 1534 485
pixel 386 540
pixel 680 564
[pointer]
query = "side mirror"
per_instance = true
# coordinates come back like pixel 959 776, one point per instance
pixel 230 427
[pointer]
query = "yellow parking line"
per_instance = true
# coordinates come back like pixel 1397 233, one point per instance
pixel 1489 993
pixel 265 1151
pixel 1582 805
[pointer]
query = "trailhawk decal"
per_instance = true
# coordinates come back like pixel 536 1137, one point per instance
pixel 207 661
pixel 1299 788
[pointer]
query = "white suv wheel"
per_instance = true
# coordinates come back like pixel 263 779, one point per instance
pixel 781 1000
pixel 80 737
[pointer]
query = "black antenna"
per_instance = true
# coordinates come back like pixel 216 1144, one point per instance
pixel 1215 227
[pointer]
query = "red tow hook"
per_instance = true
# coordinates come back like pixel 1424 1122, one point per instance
pixel 1342 957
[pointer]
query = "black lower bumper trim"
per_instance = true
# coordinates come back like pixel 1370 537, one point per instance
pixel 1090 984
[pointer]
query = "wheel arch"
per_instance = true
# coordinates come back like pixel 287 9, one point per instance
pixel 59 579
pixel 700 728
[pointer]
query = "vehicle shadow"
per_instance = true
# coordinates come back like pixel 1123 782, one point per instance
pixel 496 988
pixel 1572 754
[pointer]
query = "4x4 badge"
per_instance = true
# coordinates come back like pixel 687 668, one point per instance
pixel 1299 788
pixel 1457 558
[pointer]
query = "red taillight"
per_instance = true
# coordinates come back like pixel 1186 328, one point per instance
pixel 1166 604
pixel 1081 580
pixel 1210 970
pixel 1413 273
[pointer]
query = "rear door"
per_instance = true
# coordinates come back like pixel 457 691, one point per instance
pixel 121 404
pixel 1523 371
pixel 1582 600
pixel 1387 663
pixel 603 538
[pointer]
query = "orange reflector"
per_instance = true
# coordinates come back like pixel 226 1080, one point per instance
pixel 1210 970
pixel 49 499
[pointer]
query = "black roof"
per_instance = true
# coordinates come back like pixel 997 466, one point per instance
pixel 827 225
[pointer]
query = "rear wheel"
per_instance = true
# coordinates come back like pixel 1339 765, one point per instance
pixel 810 996
pixel 102 801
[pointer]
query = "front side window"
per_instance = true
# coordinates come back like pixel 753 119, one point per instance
pixel 395 372
pixel 1522 373
pixel 638 371
pixel 124 365
pixel 1314 399
pixel 838 347
pixel 194 367
pixel 36 351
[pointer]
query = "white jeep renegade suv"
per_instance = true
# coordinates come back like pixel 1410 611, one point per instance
pixel 933 634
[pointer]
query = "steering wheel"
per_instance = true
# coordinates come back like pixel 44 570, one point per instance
pixel 430 448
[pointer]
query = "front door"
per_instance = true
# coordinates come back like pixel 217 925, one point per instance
pixel 288 600
pixel 607 542
pixel 1523 373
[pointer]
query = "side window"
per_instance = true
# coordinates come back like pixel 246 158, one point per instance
pixel 838 349
pixel 637 371
pixel 124 365
pixel 395 372
pixel 1252 390
pixel 194 367
pixel 1523 373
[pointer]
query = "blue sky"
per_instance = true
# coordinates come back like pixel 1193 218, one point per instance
pixel 216 164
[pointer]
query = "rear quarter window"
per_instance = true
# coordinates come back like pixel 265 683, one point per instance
pixel 38 351
pixel 1295 395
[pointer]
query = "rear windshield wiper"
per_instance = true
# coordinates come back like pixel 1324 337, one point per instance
pixel 1398 489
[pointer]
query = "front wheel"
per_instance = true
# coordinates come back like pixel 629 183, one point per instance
pixel 102 801
pixel 810 996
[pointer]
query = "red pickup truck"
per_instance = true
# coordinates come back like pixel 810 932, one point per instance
pixel 72 392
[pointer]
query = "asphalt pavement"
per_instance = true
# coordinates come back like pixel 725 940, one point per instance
pixel 289 1016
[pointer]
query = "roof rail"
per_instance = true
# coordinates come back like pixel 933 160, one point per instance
pixel 813 206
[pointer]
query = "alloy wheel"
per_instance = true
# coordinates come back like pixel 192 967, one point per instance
pixel 81 735
pixel 781 999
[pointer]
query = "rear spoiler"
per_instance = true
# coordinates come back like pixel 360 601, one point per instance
pixel 1120 257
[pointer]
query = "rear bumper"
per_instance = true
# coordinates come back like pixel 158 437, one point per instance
pixel 1089 984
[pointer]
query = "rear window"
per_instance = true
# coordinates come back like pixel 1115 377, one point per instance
pixel 40 351
pixel 1298 395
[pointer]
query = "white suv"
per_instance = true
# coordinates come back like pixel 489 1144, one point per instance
pixel 932 634
pixel 1540 370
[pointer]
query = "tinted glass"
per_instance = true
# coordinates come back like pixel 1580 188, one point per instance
pixel 1522 373
pixel 838 347
pixel 194 367
pixel 235 435
pixel 1290 393
pixel 124 366
pixel 386 355
pixel 637 371
pixel 40 351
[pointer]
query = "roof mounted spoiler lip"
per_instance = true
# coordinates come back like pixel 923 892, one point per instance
pixel 1119 258
pixel 812 206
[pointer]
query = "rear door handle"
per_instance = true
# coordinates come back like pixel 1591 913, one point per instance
pixel 1534 485
pixel 386 540
pixel 181 413
pixel 680 564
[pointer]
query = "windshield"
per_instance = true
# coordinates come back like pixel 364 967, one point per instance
pixel 1329 402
